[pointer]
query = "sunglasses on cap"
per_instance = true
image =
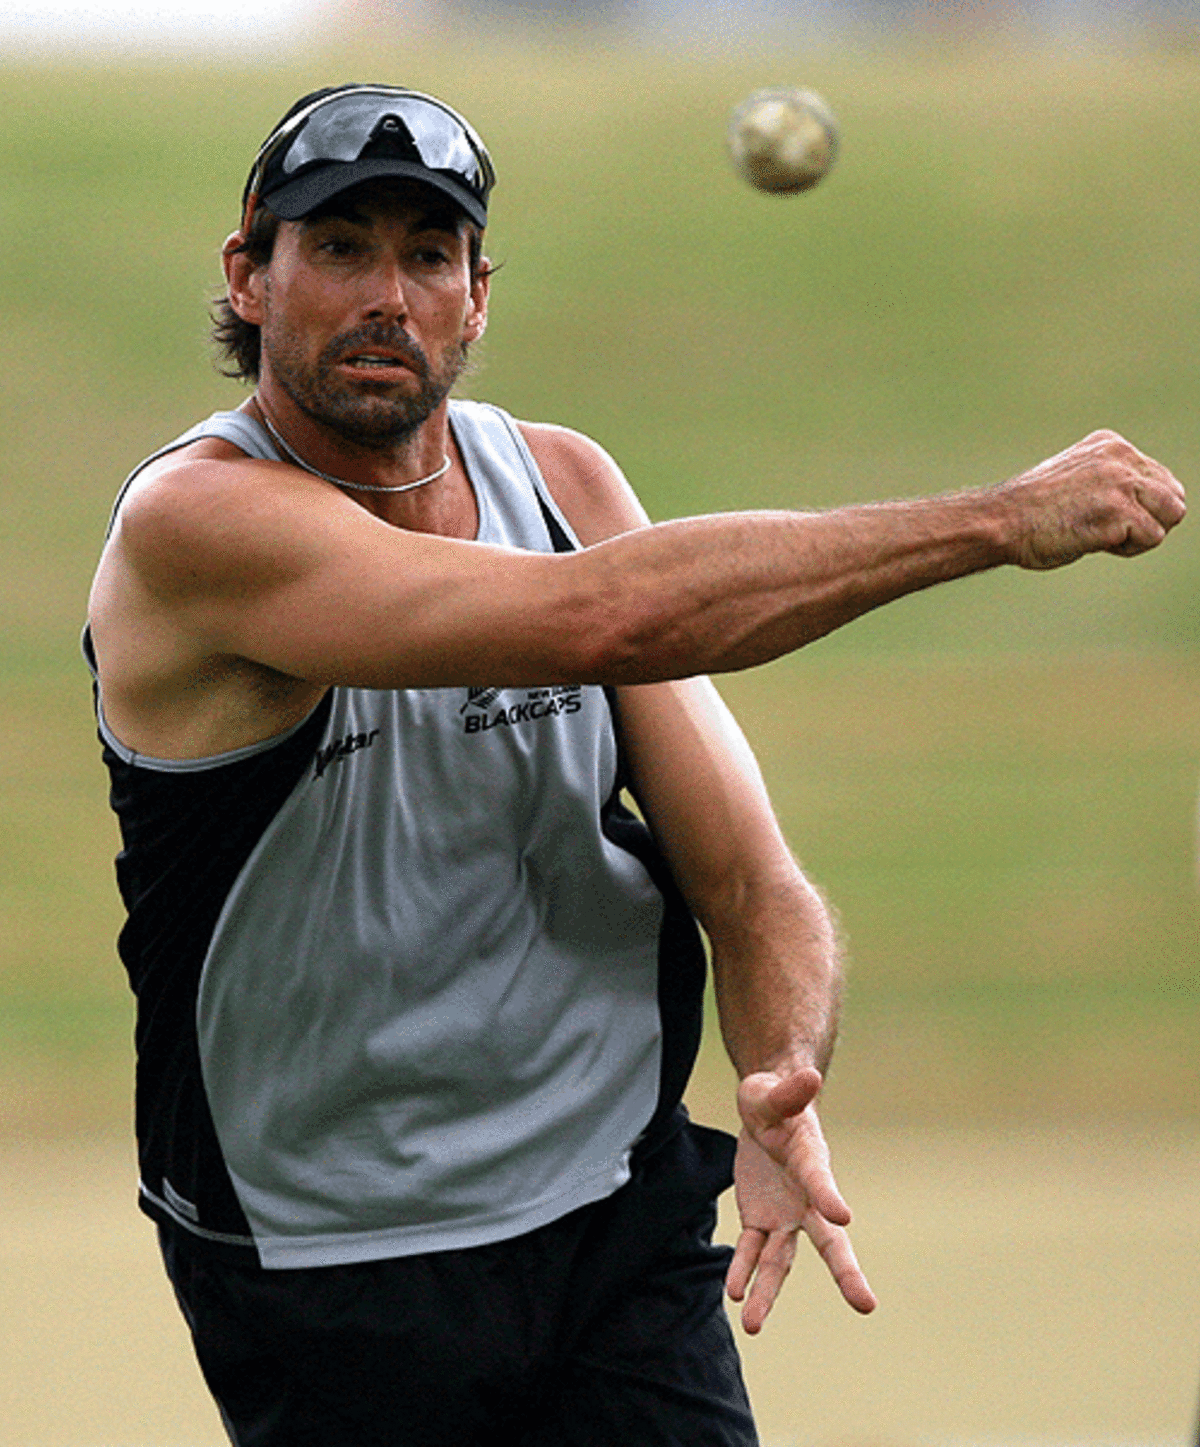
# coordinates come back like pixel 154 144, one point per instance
pixel 362 132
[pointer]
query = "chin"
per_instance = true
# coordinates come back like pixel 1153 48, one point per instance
pixel 377 419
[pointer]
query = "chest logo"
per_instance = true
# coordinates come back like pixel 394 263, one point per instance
pixel 537 704
pixel 481 698
pixel 339 749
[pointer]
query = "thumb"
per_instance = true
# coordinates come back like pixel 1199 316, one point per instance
pixel 795 1093
pixel 765 1099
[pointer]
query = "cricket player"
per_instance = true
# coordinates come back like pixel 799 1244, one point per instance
pixel 418 995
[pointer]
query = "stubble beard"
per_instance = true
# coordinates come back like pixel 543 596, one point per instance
pixel 375 419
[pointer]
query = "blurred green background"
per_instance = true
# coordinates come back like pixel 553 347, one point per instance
pixel 995 782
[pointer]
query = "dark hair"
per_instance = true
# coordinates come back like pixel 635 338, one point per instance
pixel 237 342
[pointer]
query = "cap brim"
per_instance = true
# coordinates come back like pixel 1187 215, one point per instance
pixel 307 192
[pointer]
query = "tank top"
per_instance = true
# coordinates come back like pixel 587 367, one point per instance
pixel 410 977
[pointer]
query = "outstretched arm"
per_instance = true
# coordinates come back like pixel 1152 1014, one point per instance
pixel 258 561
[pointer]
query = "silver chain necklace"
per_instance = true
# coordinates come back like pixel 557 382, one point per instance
pixel 341 481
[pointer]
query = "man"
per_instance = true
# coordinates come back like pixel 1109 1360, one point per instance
pixel 418 996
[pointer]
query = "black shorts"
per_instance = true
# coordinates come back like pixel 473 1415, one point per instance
pixel 604 1329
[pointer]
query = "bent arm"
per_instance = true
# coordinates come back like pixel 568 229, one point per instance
pixel 259 561
pixel 774 950
pixel 776 971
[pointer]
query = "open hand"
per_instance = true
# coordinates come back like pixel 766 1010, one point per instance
pixel 784 1185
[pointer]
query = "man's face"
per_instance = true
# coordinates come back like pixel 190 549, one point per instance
pixel 366 310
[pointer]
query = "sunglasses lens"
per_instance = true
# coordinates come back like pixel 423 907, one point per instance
pixel 443 143
pixel 343 130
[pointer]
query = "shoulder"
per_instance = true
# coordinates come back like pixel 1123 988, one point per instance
pixel 208 509
pixel 584 481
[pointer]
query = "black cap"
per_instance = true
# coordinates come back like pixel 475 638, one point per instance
pixel 335 138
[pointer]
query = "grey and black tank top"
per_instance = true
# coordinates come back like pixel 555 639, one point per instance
pixel 409 976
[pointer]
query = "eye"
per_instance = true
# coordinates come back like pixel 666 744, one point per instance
pixel 338 246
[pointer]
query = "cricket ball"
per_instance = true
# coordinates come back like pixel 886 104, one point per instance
pixel 783 140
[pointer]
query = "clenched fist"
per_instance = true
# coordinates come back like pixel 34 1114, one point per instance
pixel 1100 496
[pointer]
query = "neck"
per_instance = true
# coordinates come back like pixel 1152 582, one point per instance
pixel 384 486
pixel 389 467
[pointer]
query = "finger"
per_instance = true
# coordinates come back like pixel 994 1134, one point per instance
pixel 816 1180
pixel 1165 502
pixel 835 1250
pixel 795 1093
pixel 1154 500
pixel 807 1162
pixel 745 1258
pixel 765 1099
pixel 773 1266
pixel 1140 537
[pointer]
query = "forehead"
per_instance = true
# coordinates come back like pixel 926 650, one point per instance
pixel 412 204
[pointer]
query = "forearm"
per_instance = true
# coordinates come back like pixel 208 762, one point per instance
pixel 775 956
pixel 714 594
pixel 729 592
pixel 778 978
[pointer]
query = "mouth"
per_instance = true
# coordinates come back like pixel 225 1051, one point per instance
pixel 376 362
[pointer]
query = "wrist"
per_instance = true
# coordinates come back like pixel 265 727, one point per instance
pixel 998 521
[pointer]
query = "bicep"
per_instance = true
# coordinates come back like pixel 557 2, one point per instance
pixel 315 588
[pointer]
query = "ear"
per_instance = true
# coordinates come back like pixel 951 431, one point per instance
pixel 477 312
pixel 244 279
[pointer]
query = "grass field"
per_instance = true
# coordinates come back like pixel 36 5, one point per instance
pixel 995 782
pixel 1036 1317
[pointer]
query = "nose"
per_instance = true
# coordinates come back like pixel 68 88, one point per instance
pixel 387 300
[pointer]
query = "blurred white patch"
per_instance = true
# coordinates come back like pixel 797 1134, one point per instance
pixel 40 27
